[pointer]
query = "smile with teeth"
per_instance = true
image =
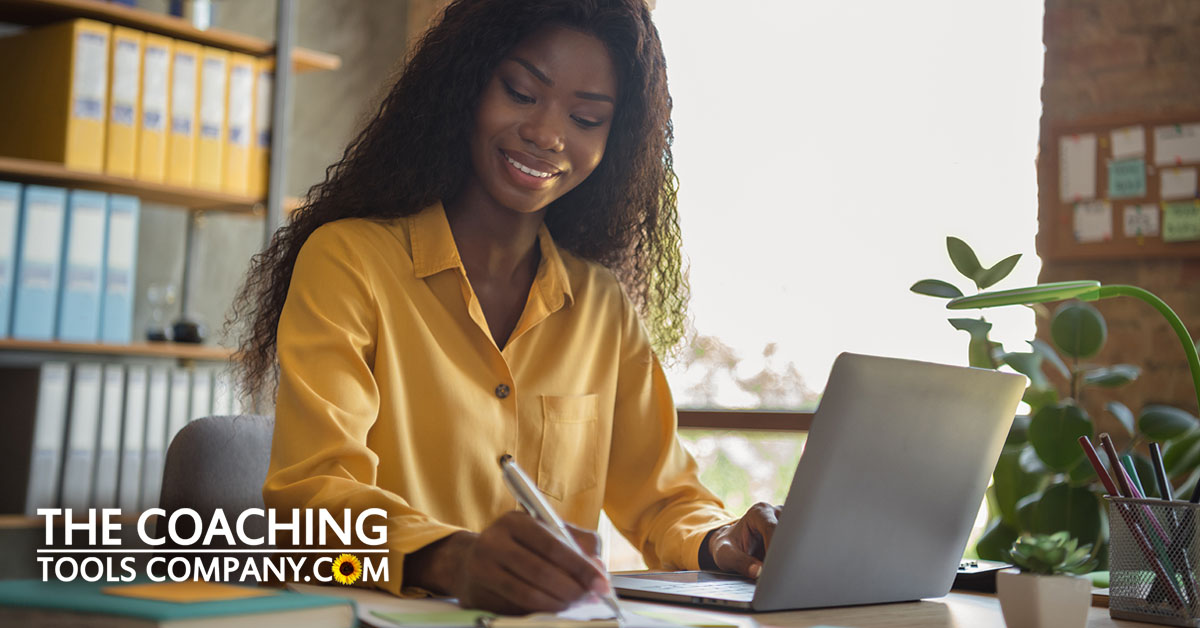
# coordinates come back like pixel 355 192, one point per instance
pixel 529 171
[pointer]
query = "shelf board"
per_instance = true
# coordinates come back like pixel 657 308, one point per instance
pixel 34 171
pixel 178 350
pixel 35 12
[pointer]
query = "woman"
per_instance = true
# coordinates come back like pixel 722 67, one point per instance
pixel 457 289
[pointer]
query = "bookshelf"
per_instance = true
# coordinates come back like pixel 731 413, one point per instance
pixel 34 12
pixel 178 350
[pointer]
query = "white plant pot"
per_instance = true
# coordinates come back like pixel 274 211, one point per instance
pixel 1037 601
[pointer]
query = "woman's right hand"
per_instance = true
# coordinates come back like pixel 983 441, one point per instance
pixel 515 566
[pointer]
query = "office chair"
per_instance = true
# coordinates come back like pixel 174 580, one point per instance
pixel 217 462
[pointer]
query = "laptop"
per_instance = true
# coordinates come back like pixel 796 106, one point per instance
pixel 883 498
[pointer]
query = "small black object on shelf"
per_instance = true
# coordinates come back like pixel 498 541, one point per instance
pixel 189 331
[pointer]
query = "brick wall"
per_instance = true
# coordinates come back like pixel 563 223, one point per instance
pixel 1117 57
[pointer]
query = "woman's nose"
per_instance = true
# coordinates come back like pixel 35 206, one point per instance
pixel 542 130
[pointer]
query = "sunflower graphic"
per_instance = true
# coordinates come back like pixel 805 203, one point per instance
pixel 347 569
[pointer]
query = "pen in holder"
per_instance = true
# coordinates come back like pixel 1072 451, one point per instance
pixel 1152 557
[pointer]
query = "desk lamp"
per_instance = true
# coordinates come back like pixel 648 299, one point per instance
pixel 1085 291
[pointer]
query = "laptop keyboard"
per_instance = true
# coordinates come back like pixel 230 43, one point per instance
pixel 734 590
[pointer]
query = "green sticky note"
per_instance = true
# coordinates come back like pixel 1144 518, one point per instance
pixel 1127 178
pixel 1181 222
pixel 440 618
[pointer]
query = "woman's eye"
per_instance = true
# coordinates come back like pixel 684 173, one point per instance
pixel 517 96
pixel 585 122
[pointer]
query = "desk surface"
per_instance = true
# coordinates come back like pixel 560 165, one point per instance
pixel 957 610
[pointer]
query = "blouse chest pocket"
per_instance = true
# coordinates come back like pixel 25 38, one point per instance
pixel 570 445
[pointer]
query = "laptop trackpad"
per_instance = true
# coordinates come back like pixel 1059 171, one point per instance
pixel 702 584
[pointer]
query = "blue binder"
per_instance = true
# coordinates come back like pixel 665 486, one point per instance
pixel 10 212
pixel 82 267
pixel 39 253
pixel 120 269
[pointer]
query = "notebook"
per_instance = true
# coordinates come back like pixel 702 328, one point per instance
pixel 883 498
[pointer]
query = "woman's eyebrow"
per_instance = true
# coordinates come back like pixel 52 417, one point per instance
pixel 541 76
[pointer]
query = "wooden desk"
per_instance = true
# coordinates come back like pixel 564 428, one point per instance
pixel 957 610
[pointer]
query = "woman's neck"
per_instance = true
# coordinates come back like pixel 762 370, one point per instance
pixel 496 244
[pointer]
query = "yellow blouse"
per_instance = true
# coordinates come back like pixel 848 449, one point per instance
pixel 393 395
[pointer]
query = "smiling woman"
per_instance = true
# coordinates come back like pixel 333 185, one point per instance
pixel 477 277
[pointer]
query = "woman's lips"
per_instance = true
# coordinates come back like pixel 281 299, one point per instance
pixel 530 176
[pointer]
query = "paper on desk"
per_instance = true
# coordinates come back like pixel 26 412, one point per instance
pixel 369 604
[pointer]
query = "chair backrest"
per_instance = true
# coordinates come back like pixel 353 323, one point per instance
pixel 218 462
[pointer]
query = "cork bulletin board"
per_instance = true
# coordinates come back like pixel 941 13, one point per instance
pixel 1121 187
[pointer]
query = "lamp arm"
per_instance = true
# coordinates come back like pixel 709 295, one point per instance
pixel 1189 346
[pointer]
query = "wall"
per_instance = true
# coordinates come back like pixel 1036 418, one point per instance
pixel 327 109
pixel 1128 56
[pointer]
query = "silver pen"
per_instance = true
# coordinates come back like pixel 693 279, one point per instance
pixel 531 500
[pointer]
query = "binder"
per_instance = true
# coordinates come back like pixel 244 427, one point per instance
pixel 120 269
pixel 202 383
pixel 82 267
pixel 10 204
pixel 157 393
pixel 155 106
pixel 181 134
pixel 104 489
pixel 120 153
pixel 214 76
pixel 260 149
pixel 222 404
pixel 34 415
pixel 133 440
pixel 240 121
pixel 55 81
pixel 79 463
pixel 178 407
pixel 39 247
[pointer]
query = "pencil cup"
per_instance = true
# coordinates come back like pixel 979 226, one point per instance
pixel 1153 552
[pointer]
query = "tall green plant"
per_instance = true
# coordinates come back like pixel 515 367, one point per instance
pixel 1042 483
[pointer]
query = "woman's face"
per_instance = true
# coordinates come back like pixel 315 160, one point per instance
pixel 543 119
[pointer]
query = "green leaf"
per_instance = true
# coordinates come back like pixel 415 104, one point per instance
pixel 993 275
pixel 995 541
pixel 1111 376
pixel 1078 330
pixel 1145 471
pixel 1082 474
pixel 1018 434
pixel 1029 365
pixel 1123 414
pixel 1038 398
pixel 1032 463
pixel 1163 423
pixel 1011 483
pixel 1043 348
pixel 964 258
pixel 1054 432
pixel 979 351
pixel 936 288
pixel 1073 509
pixel 1182 455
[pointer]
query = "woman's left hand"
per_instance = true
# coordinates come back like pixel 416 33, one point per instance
pixel 740 547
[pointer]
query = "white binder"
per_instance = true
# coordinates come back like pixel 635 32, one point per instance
pixel 157 391
pixel 133 440
pixel 79 464
pixel 202 383
pixel 178 413
pixel 50 425
pixel 108 452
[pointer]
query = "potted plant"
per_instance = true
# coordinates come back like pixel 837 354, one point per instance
pixel 1046 590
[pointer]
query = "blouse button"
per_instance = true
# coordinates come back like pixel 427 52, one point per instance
pixel 502 391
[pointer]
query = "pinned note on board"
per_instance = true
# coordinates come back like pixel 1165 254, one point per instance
pixel 1127 178
pixel 1093 222
pixel 1128 142
pixel 1181 222
pixel 1077 167
pixel 1177 183
pixel 1175 144
pixel 1141 221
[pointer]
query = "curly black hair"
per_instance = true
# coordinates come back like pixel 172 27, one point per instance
pixel 415 151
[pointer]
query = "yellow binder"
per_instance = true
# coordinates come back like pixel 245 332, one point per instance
pixel 181 134
pixel 239 119
pixel 260 142
pixel 214 78
pixel 55 84
pixel 155 108
pixel 124 103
